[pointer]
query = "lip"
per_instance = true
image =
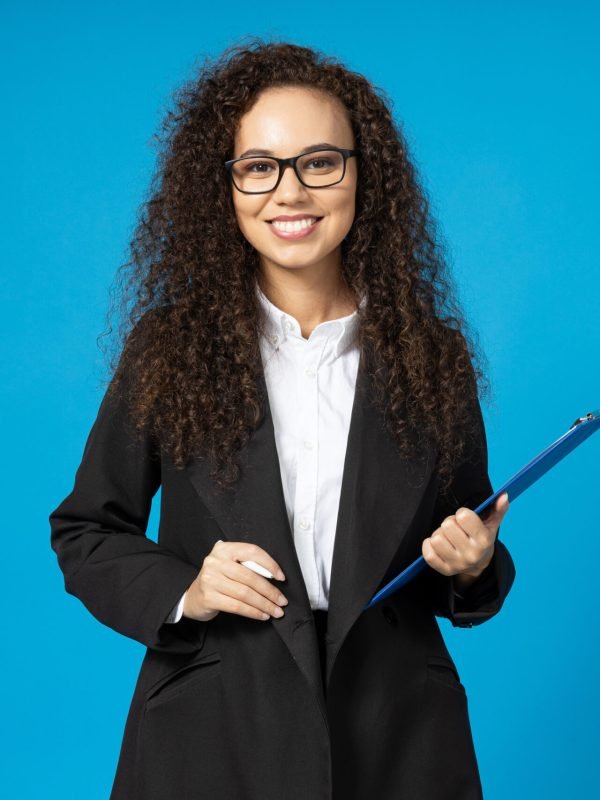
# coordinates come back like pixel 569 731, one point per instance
pixel 292 217
pixel 295 234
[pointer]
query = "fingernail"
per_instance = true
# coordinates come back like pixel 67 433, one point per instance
pixel 278 612
pixel 282 600
pixel 280 576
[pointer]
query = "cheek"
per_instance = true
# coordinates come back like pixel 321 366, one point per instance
pixel 349 198
pixel 345 212
pixel 239 207
pixel 245 216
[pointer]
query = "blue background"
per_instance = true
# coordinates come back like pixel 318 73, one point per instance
pixel 499 103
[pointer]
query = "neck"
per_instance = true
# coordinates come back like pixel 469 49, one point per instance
pixel 310 298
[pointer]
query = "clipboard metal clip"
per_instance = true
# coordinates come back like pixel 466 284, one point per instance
pixel 588 416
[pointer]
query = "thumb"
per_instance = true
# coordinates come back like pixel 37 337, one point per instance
pixel 500 507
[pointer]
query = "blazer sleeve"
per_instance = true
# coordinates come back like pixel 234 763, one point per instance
pixel 98 532
pixel 484 598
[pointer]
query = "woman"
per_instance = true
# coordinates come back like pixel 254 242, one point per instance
pixel 299 382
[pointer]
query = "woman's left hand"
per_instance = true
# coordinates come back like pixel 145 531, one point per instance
pixel 464 543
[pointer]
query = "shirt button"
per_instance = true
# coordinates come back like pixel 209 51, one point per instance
pixel 274 339
pixel 310 372
pixel 308 444
pixel 304 524
pixel 288 325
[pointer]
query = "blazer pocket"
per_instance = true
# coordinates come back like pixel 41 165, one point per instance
pixel 443 670
pixel 182 679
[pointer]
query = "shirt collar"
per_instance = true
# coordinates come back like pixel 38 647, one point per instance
pixel 278 327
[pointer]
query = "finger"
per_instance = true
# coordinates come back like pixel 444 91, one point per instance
pixel 502 504
pixel 453 532
pixel 479 534
pixel 216 567
pixel 232 606
pixel 244 551
pixel 469 521
pixel 237 598
pixel 494 518
pixel 458 549
pixel 434 560
pixel 242 574
pixel 446 549
pixel 468 547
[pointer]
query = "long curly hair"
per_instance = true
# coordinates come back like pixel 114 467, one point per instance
pixel 189 320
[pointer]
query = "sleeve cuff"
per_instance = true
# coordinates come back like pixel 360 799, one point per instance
pixel 177 611
pixel 485 596
pixel 484 588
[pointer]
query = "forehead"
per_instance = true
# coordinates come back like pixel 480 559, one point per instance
pixel 289 118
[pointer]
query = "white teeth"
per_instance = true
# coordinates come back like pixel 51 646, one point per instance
pixel 295 225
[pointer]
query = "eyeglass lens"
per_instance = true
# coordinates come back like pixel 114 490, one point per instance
pixel 260 173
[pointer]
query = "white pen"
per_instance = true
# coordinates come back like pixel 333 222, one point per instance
pixel 257 568
pixel 254 566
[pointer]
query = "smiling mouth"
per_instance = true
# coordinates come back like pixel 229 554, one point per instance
pixel 294 226
pixel 295 230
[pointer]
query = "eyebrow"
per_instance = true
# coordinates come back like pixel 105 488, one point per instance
pixel 257 151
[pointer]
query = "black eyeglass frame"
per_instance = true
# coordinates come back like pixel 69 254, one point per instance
pixel 284 162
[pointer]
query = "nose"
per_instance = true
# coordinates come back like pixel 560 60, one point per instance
pixel 290 187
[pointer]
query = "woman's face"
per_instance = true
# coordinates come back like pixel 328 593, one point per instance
pixel 285 121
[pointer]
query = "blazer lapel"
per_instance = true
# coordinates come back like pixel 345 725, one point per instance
pixel 380 495
pixel 254 510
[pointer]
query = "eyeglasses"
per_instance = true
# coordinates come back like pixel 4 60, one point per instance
pixel 315 170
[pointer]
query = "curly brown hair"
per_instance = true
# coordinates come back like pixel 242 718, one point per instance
pixel 189 317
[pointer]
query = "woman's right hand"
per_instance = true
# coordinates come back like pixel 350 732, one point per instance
pixel 223 584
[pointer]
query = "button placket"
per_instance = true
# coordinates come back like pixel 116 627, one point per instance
pixel 307 460
pixel 297 380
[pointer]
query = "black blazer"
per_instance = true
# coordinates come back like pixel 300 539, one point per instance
pixel 236 708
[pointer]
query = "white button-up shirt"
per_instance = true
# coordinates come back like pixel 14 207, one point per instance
pixel 311 384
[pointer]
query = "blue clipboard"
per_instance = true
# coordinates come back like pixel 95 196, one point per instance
pixel 580 430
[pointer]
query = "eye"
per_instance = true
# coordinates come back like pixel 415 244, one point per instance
pixel 258 167
pixel 319 163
